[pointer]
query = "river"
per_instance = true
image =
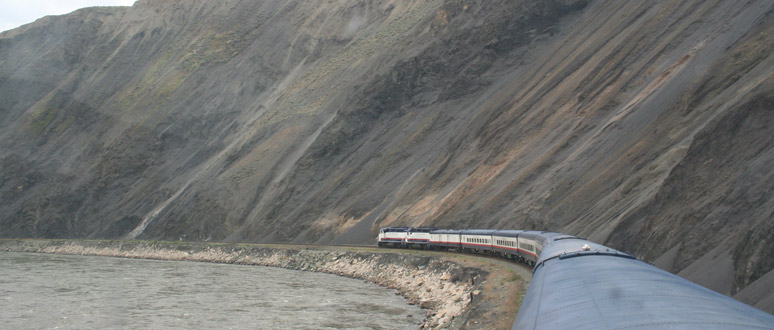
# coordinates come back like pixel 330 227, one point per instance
pixel 40 291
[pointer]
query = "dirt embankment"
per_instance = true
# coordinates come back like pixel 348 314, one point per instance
pixel 457 291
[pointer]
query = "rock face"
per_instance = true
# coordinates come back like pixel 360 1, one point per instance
pixel 646 126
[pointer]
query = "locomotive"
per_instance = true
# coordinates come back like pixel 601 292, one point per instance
pixel 579 284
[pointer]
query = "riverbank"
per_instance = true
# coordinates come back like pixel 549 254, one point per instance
pixel 457 291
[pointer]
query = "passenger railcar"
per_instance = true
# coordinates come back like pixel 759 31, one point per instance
pixel 506 243
pixel 478 240
pixel 444 239
pixel 530 244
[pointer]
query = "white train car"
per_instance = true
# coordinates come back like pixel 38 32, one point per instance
pixel 393 236
pixel 530 246
pixel 506 243
pixel 418 237
pixel 444 239
pixel 477 239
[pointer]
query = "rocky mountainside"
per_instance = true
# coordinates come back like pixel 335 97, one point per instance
pixel 643 125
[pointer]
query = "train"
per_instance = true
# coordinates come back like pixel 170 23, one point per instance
pixel 579 284
pixel 519 245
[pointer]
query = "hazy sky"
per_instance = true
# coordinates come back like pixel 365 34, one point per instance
pixel 14 13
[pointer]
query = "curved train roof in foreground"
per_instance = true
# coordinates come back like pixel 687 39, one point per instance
pixel 579 284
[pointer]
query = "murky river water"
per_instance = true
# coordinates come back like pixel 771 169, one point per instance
pixel 40 291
